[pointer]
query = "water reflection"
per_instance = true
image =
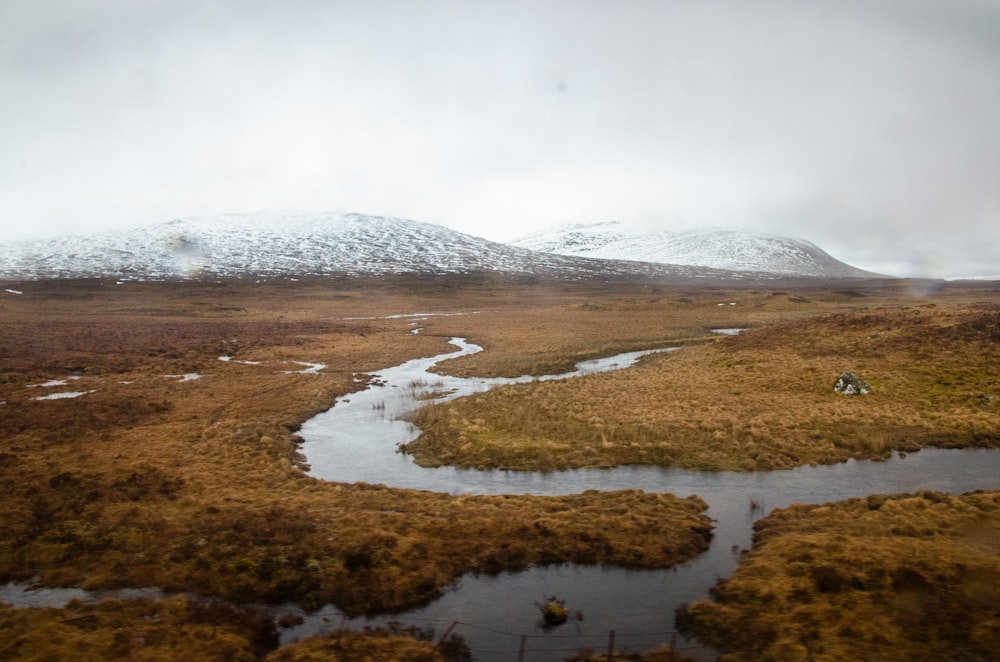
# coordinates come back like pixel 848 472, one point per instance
pixel 356 441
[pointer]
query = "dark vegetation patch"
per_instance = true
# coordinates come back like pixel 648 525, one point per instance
pixel 178 628
pixel 392 641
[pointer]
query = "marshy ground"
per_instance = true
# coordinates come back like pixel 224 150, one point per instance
pixel 195 485
pixel 759 400
pixel 887 577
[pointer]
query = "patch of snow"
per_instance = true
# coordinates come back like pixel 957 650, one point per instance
pixel 186 377
pixel 14 291
pixel 418 316
pixel 49 384
pixel 425 315
pixel 728 332
pixel 62 396
pixel 312 369
pixel 229 359
pixel 576 237
pixel 717 249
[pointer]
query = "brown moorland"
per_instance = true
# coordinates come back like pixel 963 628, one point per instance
pixel 887 577
pixel 760 400
pixel 195 484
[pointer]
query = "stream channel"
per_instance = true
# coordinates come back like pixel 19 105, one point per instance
pixel 356 440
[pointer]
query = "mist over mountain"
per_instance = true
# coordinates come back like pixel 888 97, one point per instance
pixel 716 249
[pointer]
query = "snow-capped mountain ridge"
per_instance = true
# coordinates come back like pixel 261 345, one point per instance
pixel 276 244
pixel 717 248
pixel 573 238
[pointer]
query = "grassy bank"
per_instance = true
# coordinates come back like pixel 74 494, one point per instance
pixel 888 577
pixel 760 400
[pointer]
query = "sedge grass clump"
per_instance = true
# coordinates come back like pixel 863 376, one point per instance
pixel 884 578
pixel 389 642
pixel 176 628
pixel 554 611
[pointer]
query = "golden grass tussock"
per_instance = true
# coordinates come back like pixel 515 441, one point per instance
pixel 386 643
pixel 887 577
pixel 760 400
pixel 173 629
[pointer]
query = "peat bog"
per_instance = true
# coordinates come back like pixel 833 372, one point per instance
pixel 197 487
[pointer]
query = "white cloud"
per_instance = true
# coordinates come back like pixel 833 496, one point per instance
pixel 867 127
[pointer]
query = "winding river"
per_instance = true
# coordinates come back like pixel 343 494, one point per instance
pixel 356 440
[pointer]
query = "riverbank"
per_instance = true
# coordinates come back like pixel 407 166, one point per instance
pixel 887 577
pixel 759 400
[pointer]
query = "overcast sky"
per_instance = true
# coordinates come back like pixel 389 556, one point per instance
pixel 870 127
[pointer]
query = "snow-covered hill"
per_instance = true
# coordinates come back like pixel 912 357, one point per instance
pixel 268 245
pixel 718 249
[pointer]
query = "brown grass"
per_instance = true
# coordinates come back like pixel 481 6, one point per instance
pixel 385 643
pixel 546 330
pixel 194 486
pixel 173 629
pixel 889 577
pixel 760 400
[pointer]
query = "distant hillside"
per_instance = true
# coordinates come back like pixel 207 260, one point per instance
pixel 267 245
pixel 716 249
